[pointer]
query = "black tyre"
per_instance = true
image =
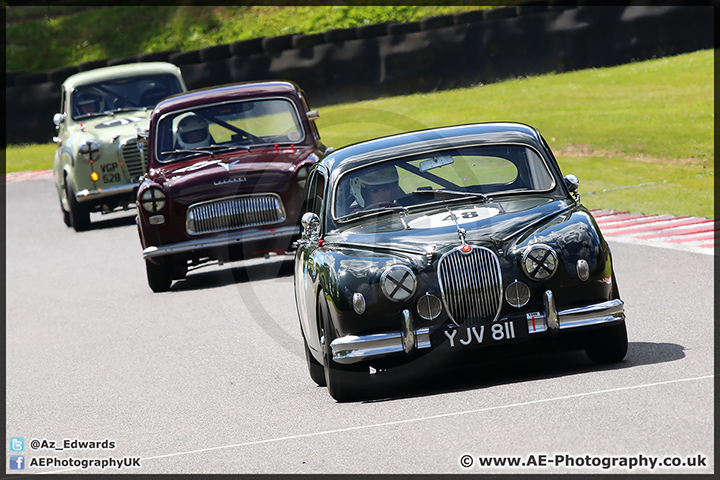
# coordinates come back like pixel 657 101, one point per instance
pixel 79 215
pixel 66 217
pixel 315 368
pixel 608 344
pixel 179 271
pixel 345 382
pixel 159 277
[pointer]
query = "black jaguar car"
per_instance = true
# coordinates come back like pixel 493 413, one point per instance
pixel 448 240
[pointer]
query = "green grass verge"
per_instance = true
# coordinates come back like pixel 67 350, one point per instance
pixel 21 158
pixel 640 136
pixel 122 31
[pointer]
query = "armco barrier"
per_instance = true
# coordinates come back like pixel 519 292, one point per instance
pixel 441 52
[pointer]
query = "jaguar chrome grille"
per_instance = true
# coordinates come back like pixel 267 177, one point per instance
pixel 471 285
pixel 234 212
pixel 131 159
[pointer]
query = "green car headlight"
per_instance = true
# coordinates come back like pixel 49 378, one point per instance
pixel 152 200
pixel 89 151
pixel 398 283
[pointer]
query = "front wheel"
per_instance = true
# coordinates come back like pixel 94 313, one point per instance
pixel 159 277
pixel 345 382
pixel 79 216
pixel 608 344
pixel 316 370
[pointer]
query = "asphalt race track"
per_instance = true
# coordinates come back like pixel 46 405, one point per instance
pixel 211 377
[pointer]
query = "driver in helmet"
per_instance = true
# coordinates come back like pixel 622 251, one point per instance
pixel 376 187
pixel 192 132
pixel 88 103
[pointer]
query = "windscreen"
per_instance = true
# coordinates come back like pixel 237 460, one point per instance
pixel 437 176
pixel 226 126
pixel 125 94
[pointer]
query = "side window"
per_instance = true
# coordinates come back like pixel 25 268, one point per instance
pixel 313 126
pixel 313 198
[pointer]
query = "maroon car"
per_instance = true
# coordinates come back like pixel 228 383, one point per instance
pixel 226 171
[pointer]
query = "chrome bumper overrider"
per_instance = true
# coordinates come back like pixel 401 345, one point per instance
pixel 552 320
pixel 222 240
pixel 85 195
pixel 354 348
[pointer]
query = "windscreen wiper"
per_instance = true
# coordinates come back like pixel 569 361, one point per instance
pixel 92 115
pixel 374 211
pixel 195 151
pixel 127 109
pixel 452 193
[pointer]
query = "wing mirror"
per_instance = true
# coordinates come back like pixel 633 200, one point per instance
pixel 572 183
pixel 311 226
pixel 313 115
pixel 58 118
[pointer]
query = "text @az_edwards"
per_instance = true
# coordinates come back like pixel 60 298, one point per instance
pixel 585 461
pixel 72 444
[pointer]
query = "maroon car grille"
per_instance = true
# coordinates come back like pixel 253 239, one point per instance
pixel 233 213
pixel 471 285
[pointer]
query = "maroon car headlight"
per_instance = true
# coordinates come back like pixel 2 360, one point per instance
pixel 152 200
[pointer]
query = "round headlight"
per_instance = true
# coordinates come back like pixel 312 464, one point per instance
pixel 89 151
pixel 539 262
pixel 517 294
pixel 152 200
pixel 429 306
pixel 398 283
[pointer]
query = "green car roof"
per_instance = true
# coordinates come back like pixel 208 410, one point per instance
pixel 119 71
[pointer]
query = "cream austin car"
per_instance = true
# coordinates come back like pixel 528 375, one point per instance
pixel 97 165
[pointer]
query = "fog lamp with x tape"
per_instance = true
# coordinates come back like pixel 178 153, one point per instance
pixel 398 283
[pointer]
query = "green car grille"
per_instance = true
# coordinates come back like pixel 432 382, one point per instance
pixel 132 160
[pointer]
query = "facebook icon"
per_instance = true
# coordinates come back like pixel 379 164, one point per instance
pixel 17 462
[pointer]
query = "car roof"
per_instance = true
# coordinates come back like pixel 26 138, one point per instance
pixel 226 92
pixel 119 71
pixel 411 143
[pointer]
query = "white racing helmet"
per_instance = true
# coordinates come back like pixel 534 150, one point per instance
pixel 385 176
pixel 89 102
pixel 192 132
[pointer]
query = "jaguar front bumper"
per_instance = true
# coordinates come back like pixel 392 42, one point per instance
pixel 552 321
pixel 354 348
